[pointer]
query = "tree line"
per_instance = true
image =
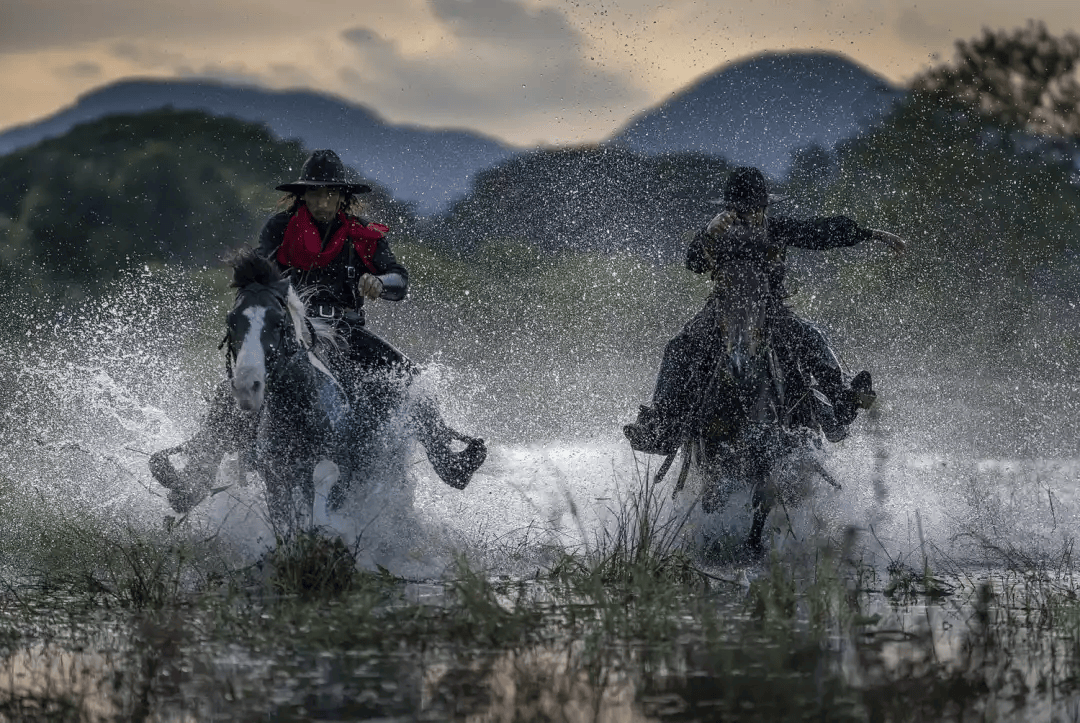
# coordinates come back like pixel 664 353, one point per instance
pixel 978 165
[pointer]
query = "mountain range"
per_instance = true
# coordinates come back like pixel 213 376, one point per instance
pixel 426 167
pixel 756 111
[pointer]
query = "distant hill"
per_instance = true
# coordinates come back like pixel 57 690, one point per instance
pixel 756 111
pixel 759 110
pixel 127 190
pixel 430 168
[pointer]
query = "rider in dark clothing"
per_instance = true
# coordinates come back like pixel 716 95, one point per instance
pixel 335 260
pixel 744 237
pixel 334 286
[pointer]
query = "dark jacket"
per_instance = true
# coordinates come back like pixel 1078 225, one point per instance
pixel 335 284
pixel 769 254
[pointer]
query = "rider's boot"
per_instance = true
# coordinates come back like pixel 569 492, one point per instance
pixel 861 392
pixel 859 395
pixel 223 429
pixel 454 468
pixel 654 432
pixel 657 429
pixel 846 402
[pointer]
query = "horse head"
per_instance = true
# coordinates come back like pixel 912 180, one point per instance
pixel 262 327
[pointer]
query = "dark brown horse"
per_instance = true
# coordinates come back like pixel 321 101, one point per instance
pixel 754 423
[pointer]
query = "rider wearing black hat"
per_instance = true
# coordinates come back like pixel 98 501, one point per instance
pixel 328 251
pixel 337 260
pixel 325 248
pixel 743 233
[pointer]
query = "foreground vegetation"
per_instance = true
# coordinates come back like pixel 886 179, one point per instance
pixel 106 623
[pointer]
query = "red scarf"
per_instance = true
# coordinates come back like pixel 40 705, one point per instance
pixel 302 247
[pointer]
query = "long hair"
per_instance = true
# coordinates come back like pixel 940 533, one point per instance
pixel 351 204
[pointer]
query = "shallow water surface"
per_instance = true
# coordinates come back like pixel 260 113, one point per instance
pixel 997 645
pixel 935 585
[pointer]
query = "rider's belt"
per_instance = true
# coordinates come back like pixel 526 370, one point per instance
pixel 329 311
pixel 337 313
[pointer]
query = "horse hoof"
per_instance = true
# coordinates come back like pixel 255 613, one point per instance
pixel 187 488
pixel 456 469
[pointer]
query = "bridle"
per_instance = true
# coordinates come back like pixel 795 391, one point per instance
pixel 287 343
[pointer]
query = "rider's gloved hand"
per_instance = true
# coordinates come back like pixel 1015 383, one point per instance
pixel 720 223
pixel 897 244
pixel 370 286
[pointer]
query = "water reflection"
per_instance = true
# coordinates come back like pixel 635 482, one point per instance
pixel 989 650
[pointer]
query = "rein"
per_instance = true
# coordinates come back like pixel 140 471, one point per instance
pixel 288 343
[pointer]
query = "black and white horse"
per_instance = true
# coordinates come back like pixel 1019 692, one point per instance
pixel 302 415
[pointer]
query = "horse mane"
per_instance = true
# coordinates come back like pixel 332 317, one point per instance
pixel 304 324
pixel 249 267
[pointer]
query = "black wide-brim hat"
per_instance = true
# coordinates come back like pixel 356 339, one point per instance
pixel 324 168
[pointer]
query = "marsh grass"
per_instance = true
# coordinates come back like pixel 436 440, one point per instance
pixel 642 542
pixel 54 548
pixel 907 583
pixel 35 706
pixel 636 570
pixel 810 633
pixel 312 565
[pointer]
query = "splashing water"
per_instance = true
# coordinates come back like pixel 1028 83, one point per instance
pixel 95 389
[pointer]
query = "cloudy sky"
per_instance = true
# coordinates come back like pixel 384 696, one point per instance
pixel 524 71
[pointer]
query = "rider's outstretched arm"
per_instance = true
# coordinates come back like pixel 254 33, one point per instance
pixel 825 232
pixel 829 232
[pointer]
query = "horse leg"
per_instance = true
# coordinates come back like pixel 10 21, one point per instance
pixel 279 501
pixel 342 484
pixel 761 502
pixel 327 472
pixel 290 494
pixel 222 429
pixel 354 449
pixel 305 506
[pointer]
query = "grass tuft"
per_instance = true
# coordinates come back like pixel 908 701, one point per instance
pixel 312 565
